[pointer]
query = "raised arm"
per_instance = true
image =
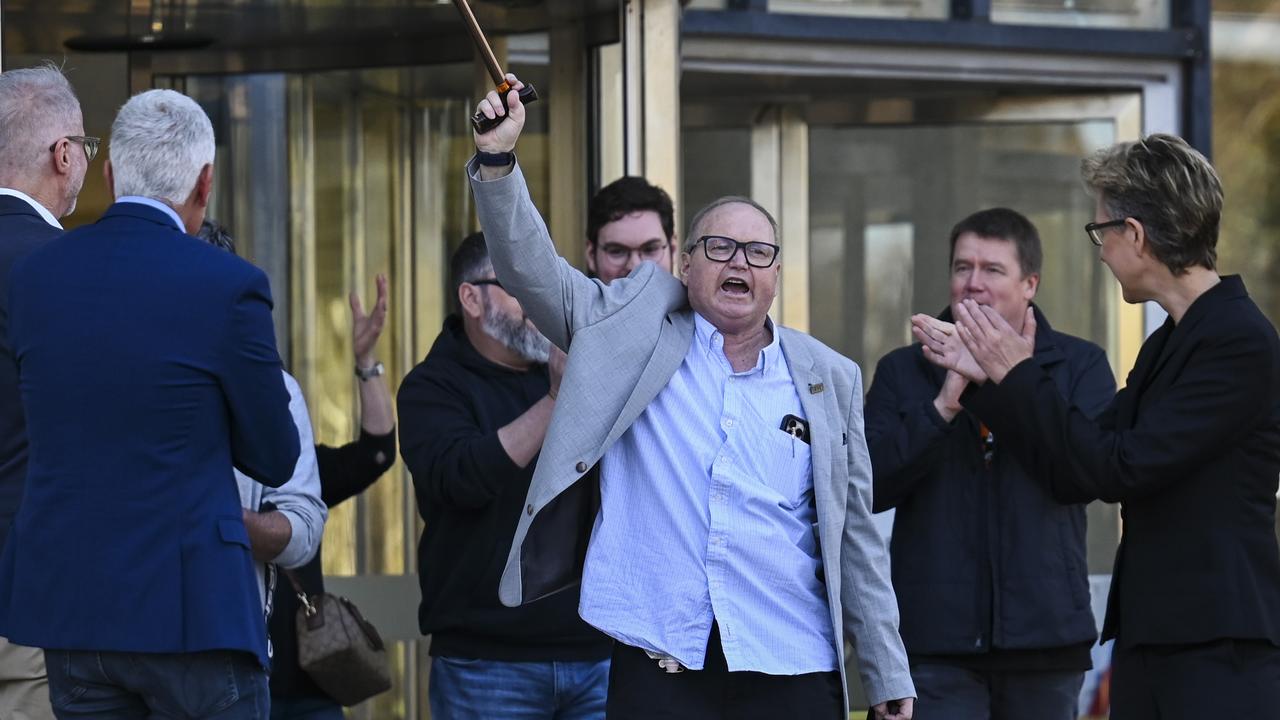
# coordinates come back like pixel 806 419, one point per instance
pixel 558 297
pixel 1186 426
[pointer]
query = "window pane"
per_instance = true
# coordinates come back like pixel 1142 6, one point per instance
pixel 866 8
pixel 716 162
pixel 882 203
pixel 1083 13
pixel 1246 145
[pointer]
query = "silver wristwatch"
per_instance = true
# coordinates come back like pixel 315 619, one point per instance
pixel 366 373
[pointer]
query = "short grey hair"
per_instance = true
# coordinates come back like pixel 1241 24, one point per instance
pixel 37 106
pixel 695 225
pixel 1170 188
pixel 160 142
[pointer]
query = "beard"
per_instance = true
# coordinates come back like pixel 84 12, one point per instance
pixel 516 334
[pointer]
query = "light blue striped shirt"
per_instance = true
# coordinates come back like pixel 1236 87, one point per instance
pixel 707 511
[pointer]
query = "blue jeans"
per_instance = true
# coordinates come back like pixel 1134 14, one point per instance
pixel 304 708
pixel 486 689
pixel 211 685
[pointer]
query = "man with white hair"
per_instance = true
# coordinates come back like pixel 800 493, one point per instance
pixel 148 369
pixel 44 154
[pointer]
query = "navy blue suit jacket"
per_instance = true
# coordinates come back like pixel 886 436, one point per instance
pixel 21 231
pixel 148 367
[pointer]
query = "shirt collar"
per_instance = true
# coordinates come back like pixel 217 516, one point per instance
pixel 152 202
pixel 712 341
pixel 42 210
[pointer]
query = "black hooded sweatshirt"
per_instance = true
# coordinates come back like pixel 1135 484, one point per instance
pixel 470 495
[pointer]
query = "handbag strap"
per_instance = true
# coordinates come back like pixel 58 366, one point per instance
pixel 307 606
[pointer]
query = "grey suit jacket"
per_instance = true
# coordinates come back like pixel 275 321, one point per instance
pixel 628 338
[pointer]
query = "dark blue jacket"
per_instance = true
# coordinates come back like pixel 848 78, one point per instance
pixel 982 557
pixel 21 231
pixel 148 367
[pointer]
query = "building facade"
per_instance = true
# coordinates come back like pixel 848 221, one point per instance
pixel 867 126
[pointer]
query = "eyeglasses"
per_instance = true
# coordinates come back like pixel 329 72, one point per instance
pixel 488 281
pixel 722 249
pixel 619 254
pixel 1095 230
pixel 88 142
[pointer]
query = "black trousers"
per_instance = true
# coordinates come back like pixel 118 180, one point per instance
pixel 640 690
pixel 1222 679
pixel 951 692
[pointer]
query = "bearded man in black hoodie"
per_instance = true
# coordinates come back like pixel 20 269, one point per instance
pixel 473 416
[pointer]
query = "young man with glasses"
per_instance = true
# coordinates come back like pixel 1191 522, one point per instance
pixel 734 552
pixel 629 222
pixel 473 417
pixel 990 570
pixel 36 188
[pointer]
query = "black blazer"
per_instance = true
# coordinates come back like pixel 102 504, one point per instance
pixel 1191 448
pixel 21 231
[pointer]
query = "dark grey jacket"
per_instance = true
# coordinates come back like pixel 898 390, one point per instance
pixel 982 556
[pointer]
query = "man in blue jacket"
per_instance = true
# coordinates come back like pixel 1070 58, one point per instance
pixel 989 569
pixel 44 155
pixel 148 369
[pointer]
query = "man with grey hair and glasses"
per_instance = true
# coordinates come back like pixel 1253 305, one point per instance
pixel 734 552
pixel 44 155
pixel 148 369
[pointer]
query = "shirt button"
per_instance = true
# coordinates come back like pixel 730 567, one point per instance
pixel 529 509
pixel 728 423
pixel 581 467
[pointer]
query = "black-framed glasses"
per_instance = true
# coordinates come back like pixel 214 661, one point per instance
pixel 88 142
pixel 722 249
pixel 1095 230
pixel 488 281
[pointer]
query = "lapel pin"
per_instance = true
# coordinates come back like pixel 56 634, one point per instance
pixel 814 389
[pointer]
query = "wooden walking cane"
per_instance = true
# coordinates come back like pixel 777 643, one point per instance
pixel 481 123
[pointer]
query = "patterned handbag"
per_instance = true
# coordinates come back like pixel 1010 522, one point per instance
pixel 338 648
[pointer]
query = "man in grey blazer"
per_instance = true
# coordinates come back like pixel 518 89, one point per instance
pixel 733 550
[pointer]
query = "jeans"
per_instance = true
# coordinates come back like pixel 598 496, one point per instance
pixel 304 708
pixel 211 685
pixel 485 689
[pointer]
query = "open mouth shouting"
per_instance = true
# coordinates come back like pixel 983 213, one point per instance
pixel 735 286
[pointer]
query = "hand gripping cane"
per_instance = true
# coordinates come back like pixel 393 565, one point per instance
pixel 481 123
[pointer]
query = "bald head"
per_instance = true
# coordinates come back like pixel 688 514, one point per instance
pixel 697 225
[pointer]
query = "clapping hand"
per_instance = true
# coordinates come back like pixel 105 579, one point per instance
pixel 944 348
pixel 365 329
pixel 992 341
